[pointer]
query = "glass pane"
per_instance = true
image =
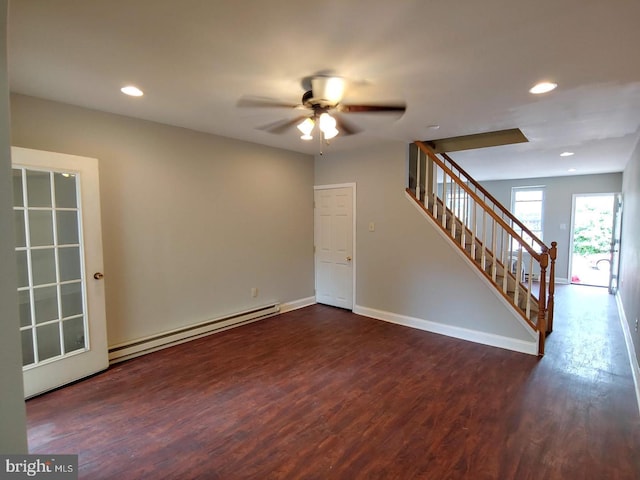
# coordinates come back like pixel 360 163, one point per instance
pixel 69 263
pixel 17 188
pixel 23 268
pixel 71 294
pixel 48 341
pixel 73 331
pixel 46 304
pixel 24 308
pixel 27 347
pixel 67 227
pixel 65 184
pixel 41 227
pixel 528 195
pixel 528 208
pixel 43 265
pixel 18 222
pixel 38 189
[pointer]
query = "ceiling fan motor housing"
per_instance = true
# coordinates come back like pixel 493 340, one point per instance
pixel 316 104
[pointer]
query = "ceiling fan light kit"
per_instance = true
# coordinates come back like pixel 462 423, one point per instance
pixel 324 97
pixel 326 124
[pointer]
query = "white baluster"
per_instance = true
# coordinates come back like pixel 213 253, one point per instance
pixel 518 275
pixel 418 174
pixel 494 245
pixel 483 260
pixel 506 264
pixel 474 229
pixel 444 199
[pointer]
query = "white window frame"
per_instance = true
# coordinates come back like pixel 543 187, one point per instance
pixel 531 188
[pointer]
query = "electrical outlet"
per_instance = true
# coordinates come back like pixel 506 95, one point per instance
pixel 636 324
pixel 254 292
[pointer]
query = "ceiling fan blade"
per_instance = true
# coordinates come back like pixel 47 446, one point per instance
pixel 261 102
pixel 282 126
pixel 400 108
pixel 345 127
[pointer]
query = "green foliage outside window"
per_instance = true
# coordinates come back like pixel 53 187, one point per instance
pixel 592 232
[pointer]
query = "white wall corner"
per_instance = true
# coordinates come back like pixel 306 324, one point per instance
pixel 475 336
pixel 296 304
pixel 628 339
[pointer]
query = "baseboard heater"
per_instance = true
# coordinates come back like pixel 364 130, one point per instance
pixel 142 346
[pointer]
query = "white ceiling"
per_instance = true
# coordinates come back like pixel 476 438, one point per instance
pixel 465 65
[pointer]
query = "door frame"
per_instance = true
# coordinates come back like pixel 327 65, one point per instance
pixel 571 231
pixel 352 186
pixel 616 243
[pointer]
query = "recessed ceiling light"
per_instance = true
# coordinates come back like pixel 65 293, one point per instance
pixel 433 127
pixel 132 91
pixel 542 87
pixel 571 170
pixel 566 154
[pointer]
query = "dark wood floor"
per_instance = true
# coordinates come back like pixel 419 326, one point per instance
pixel 321 393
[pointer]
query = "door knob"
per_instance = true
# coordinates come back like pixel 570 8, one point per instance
pixel 348 259
pixel 98 276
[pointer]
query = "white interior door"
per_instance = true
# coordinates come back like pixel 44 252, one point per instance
pixel 334 255
pixel 59 257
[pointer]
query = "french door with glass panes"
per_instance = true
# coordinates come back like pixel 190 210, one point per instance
pixel 59 258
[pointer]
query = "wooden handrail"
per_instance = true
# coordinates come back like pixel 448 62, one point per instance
pixel 495 215
pixel 495 201
pixel 427 150
pixel 491 213
pixel 425 209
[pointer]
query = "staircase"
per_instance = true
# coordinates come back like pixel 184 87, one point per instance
pixel 515 261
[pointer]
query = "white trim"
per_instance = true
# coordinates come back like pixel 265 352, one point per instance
pixel 484 338
pixel 296 304
pixel 628 340
pixel 475 270
pixel 561 280
pixel 351 185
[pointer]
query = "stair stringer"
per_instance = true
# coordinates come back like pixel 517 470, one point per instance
pixel 512 309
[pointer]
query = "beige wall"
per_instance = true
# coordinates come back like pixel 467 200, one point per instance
pixel 191 221
pixel 558 200
pixel 405 267
pixel 630 246
pixel 13 433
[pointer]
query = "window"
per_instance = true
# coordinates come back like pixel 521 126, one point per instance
pixel 527 204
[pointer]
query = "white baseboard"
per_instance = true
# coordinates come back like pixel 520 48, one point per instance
pixel 563 281
pixel 475 336
pixel 628 339
pixel 296 304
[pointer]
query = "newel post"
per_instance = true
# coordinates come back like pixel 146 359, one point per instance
pixel 553 252
pixel 542 297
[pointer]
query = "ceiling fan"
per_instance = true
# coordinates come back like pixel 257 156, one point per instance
pixel 322 106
